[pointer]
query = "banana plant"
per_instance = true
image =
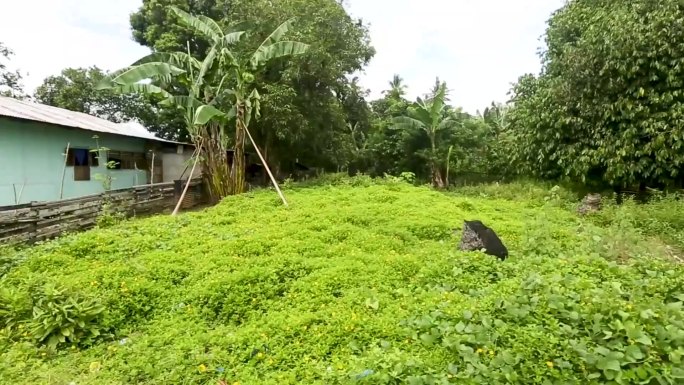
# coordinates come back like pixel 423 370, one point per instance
pixel 158 73
pixel 220 76
pixel 241 73
pixel 431 116
pixel 154 73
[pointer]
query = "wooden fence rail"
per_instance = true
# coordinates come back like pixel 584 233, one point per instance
pixel 37 221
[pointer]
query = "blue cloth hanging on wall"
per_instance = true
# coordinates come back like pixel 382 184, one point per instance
pixel 80 157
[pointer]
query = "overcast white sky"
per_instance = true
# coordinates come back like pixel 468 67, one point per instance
pixel 478 46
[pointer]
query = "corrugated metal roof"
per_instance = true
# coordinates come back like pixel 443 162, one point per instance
pixel 36 112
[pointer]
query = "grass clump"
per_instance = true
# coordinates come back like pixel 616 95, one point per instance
pixel 359 281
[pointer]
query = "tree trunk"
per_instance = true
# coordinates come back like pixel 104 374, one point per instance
pixel 214 158
pixel 437 179
pixel 238 171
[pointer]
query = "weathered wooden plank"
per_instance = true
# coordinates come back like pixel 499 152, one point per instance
pixel 47 213
pixel 13 229
pixel 54 231
pixel 75 215
pixel 43 220
pixel 21 237
pixel 13 213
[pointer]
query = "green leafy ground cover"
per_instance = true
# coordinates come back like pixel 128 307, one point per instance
pixel 357 282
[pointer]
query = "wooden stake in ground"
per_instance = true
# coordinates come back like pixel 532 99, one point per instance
pixel 185 190
pixel 268 170
pixel 152 171
pixel 66 158
pixel 21 192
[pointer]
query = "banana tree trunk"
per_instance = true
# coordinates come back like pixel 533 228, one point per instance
pixel 437 179
pixel 214 158
pixel 238 171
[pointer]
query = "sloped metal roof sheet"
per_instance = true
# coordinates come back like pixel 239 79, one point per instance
pixel 36 112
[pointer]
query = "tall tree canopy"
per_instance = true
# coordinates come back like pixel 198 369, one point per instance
pixel 302 103
pixel 10 80
pixel 608 106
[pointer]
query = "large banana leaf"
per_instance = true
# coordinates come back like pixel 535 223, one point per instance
pixel 107 83
pixel 421 113
pixel 438 102
pixel 139 88
pixel 205 113
pixel 405 123
pixel 154 70
pixel 181 101
pixel 233 37
pixel 176 59
pixel 207 64
pixel 278 33
pixel 276 50
pixel 202 24
pixel 446 123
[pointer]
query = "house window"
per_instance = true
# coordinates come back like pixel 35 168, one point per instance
pixel 81 159
pixel 122 160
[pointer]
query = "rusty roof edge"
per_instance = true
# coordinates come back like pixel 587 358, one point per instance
pixel 31 111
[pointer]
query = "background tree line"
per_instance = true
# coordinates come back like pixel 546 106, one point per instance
pixel 606 110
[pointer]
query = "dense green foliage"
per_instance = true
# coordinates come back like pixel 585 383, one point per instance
pixel 304 105
pixel 10 80
pixel 608 106
pixel 430 117
pixel 605 110
pixel 408 137
pixel 312 111
pixel 358 281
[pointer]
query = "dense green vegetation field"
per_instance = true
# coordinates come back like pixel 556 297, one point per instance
pixel 358 281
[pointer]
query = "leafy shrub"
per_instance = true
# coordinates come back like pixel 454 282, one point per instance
pixel 14 309
pixel 9 258
pixel 561 327
pixel 62 318
pixel 108 216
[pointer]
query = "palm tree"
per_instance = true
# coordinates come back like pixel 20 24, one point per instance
pixel 397 88
pixel 430 115
pixel 220 88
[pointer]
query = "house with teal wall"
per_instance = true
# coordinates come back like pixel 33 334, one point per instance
pixel 48 153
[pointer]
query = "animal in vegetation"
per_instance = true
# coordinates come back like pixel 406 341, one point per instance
pixel 477 236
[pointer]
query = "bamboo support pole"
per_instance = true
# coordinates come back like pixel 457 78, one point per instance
pixel 66 158
pixel 268 170
pixel 187 185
